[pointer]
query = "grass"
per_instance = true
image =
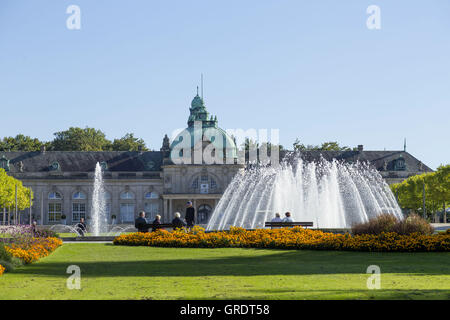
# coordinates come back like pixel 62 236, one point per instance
pixel 120 272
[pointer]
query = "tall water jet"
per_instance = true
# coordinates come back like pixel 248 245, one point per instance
pixel 99 219
pixel 331 194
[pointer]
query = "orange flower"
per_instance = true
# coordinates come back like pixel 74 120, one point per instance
pixel 287 238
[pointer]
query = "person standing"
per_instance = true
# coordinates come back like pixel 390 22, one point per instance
pixel 190 215
pixel 81 227
pixel 141 223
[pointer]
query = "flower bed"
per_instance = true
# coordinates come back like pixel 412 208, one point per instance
pixel 33 250
pixel 288 238
pixel 2 269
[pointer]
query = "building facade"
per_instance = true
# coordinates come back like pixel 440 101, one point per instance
pixel 158 182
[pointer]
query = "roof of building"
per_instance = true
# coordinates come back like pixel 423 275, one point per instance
pixel 73 161
pixel 126 161
pixel 382 160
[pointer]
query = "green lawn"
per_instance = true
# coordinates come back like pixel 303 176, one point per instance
pixel 119 272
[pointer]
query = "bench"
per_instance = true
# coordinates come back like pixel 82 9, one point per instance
pixel 287 224
pixel 150 226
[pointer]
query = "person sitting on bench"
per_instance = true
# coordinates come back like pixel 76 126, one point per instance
pixel 141 223
pixel 177 222
pixel 156 223
pixel 288 217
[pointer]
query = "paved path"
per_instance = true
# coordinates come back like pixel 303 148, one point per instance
pixel 64 242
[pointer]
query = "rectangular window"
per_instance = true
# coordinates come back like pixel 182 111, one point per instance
pixel 54 211
pixel 151 210
pixel 127 212
pixel 78 211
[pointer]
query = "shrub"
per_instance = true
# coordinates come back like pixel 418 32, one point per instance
pixel 9 267
pixel 382 223
pixel 413 224
pixel 4 255
pixel 389 223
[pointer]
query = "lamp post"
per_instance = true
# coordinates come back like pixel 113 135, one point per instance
pixel 423 196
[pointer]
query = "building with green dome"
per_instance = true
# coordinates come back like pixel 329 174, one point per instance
pixel 196 166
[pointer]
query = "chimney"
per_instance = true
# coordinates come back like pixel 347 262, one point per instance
pixel 43 149
pixel 360 147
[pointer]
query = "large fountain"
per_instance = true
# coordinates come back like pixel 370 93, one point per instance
pixel 98 210
pixel 331 194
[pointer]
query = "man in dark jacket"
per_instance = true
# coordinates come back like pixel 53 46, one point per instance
pixel 177 223
pixel 141 223
pixel 81 227
pixel 190 215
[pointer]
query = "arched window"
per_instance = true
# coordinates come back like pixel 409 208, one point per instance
pixel 127 195
pixel 151 195
pixel 204 184
pixel 399 164
pixel 79 196
pixel 54 196
pixel 203 213
pixel 195 183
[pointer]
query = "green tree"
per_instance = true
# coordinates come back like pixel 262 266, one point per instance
pixel 8 193
pixel 437 191
pixel 326 146
pixel 129 143
pixel 78 139
pixel 21 143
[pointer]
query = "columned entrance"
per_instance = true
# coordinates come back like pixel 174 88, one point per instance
pixel 204 205
pixel 203 213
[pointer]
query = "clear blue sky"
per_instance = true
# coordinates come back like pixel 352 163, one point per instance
pixel 309 68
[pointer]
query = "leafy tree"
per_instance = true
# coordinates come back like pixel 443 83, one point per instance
pixel 8 192
pixel 129 143
pixel 326 146
pixel 437 191
pixel 21 143
pixel 77 139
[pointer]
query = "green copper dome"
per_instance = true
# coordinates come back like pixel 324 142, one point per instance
pixel 200 118
pixel 197 103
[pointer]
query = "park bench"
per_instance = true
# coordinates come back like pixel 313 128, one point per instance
pixel 287 224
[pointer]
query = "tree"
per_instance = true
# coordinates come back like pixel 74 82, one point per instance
pixel 21 143
pixel 437 191
pixel 77 139
pixel 8 193
pixel 326 146
pixel 129 143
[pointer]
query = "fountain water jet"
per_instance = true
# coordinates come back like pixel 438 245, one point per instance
pixel 99 219
pixel 332 194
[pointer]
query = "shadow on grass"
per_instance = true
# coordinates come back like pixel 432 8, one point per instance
pixel 358 294
pixel 250 264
